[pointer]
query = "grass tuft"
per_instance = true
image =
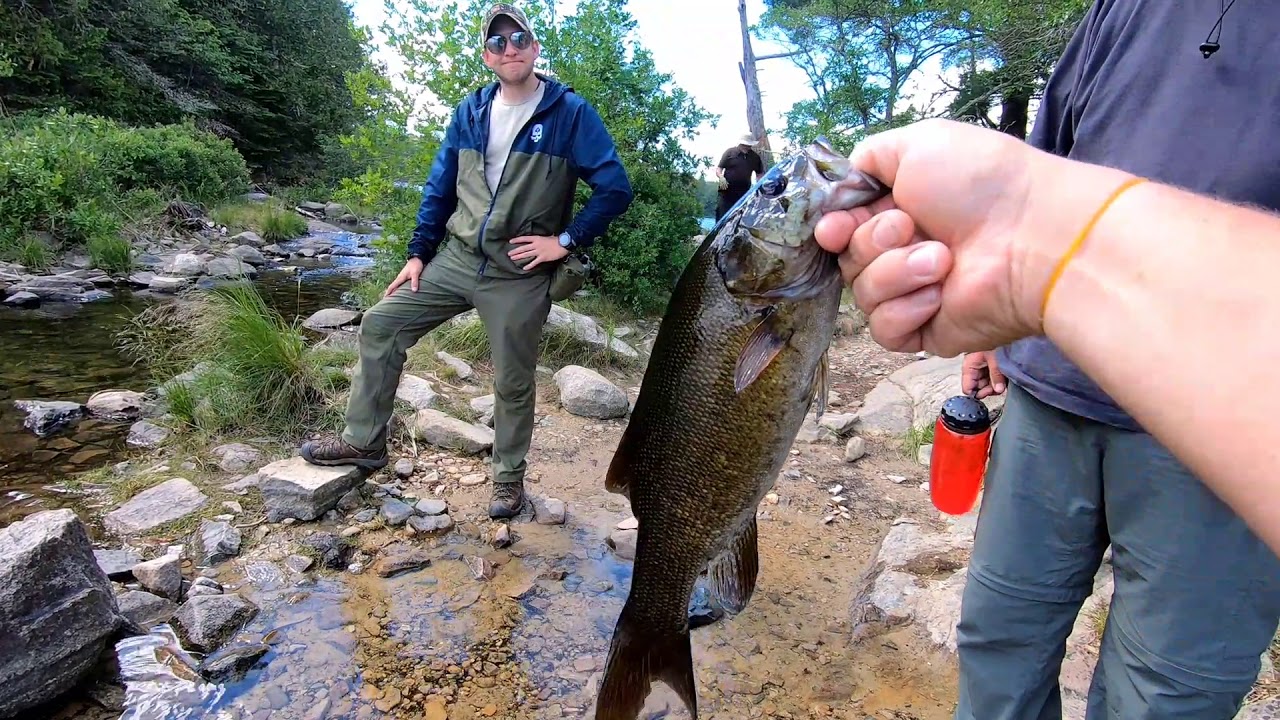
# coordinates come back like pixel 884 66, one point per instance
pixel 244 369
pixel 111 253
pixel 271 221
pixel 915 439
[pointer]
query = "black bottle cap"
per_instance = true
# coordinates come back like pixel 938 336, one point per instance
pixel 965 415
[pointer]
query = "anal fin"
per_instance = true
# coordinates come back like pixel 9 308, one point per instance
pixel 617 479
pixel 762 346
pixel 731 577
pixel 821 389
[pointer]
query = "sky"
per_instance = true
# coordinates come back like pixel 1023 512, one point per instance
pixel 699 43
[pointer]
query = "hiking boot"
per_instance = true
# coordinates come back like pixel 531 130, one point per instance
pixel 336 451
pixel 508 498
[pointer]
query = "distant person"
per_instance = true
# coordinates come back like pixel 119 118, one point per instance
pixel 739 168
pixel 501 190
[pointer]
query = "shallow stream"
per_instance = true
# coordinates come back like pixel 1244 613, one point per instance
pixel 67 351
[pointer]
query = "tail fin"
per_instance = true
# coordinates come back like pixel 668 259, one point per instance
pixel 637 656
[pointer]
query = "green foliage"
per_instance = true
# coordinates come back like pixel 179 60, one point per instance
pixel 860 56
pixel 594 52
pixel 28 250
pixel 268 75
pixel 708 197
pixel 78 179
pixel 246 369
pixel 1009 50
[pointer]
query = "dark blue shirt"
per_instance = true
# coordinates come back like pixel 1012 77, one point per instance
pixel 1133 91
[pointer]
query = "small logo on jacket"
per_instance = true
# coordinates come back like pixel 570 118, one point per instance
pixel 537 133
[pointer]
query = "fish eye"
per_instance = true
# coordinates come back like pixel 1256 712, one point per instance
pixel 774 186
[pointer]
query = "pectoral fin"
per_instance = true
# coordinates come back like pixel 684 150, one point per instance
pixel 731 577
pixel 764 344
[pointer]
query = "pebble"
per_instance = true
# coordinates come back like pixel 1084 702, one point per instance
pixel 896 479
pixel 473 479
pixel 299 563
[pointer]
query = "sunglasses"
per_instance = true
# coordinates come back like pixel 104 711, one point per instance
pixel 497 44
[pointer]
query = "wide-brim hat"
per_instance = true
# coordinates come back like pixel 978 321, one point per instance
pixel 497 10
pixel 747 139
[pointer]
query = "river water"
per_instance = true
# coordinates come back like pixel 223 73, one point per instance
pixel 67 351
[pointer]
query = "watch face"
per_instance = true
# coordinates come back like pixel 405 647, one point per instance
pixel 564 241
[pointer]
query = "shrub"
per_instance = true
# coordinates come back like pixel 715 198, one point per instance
pixel 79 177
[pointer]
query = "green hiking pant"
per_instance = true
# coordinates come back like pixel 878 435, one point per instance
pixel 1197 594
pixel 513 311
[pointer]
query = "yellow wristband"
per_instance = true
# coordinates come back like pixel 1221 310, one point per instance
pixel 1079 241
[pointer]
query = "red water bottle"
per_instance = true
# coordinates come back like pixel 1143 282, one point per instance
pixel 961 439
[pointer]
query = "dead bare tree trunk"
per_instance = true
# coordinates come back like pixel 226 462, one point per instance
pixel 751 82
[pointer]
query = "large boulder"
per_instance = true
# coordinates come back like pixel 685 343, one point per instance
pixel 917 577
pixel 294 488
pixel 46 417
pixel 911 397
pixel 151 508
pixel 587 393
pixel 116 404
pixel 57 608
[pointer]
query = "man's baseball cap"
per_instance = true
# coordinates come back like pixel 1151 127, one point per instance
pixel 496 10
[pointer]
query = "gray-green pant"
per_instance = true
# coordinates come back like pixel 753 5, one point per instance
pixel 513 311
pixel 1197 594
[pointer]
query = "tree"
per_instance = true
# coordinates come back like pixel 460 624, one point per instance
pixel 1009 50
pixel 594 52
pixel 860 56
pixel 268 75
pixel 751 84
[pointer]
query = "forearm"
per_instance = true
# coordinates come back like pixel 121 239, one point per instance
pixel 1171 307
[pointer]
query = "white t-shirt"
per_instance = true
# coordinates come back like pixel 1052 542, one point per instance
pixel 505 120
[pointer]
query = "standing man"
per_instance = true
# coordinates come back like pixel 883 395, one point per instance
pixel 501 191
pixel 1197 594
pixel 735 172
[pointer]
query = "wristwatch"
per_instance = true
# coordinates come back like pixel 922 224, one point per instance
pixel 566 242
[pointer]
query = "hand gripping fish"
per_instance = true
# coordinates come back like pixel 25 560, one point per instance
pixel 740 356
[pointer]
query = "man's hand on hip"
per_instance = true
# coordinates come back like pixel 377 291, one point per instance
pixel 536 249
pixel 411 272
pixel 981 372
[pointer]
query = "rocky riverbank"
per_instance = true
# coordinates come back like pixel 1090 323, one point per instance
pixel 276 589
pixel 186 248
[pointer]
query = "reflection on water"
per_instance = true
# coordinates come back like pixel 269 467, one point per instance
pixel 66 351
pixel 533 635
pixel 161 681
